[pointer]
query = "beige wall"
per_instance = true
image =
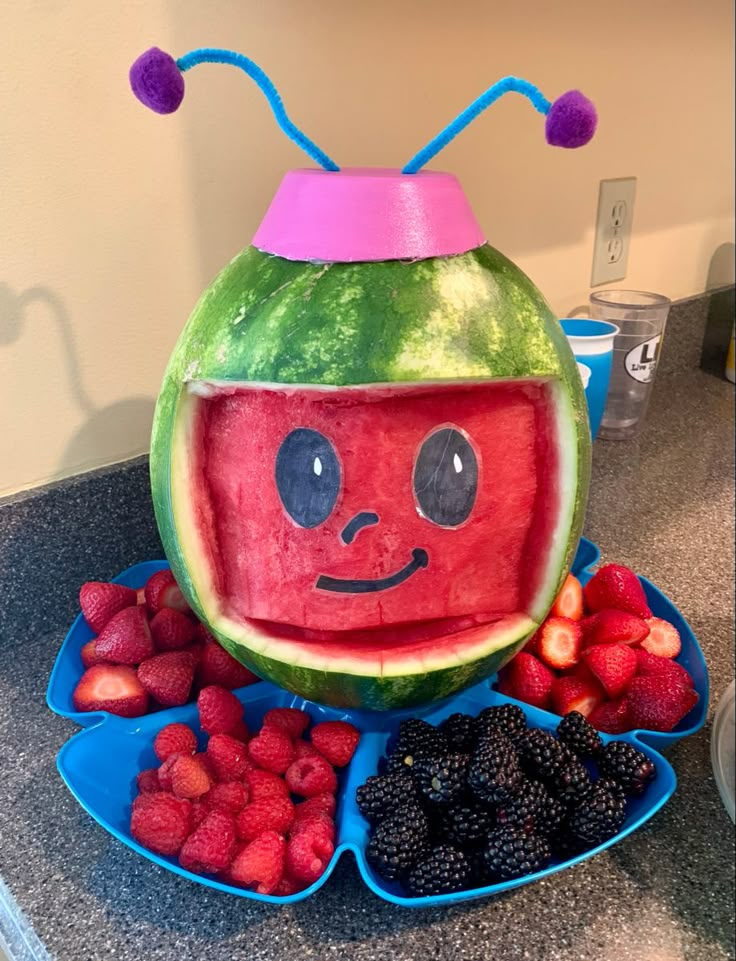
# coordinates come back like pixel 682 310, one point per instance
pixel 113 219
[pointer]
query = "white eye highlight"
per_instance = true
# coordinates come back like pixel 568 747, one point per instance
pixel 317 466
pixel 457 463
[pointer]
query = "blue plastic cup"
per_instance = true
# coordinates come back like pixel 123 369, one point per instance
pixel 592 345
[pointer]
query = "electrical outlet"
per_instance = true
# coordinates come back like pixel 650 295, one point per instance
pixel 613 230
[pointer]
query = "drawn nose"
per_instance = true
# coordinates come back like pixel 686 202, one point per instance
pixel 364 519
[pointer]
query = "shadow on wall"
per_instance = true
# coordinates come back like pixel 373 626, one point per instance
pixel 109 433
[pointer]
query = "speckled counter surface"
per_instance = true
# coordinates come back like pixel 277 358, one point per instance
pixel 664 504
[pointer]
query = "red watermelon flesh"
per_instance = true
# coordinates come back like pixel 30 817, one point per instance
pixel 263 567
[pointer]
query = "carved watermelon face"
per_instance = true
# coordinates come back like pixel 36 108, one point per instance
pixel 384 535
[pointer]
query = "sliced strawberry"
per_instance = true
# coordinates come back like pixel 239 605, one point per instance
pixel 569 602
pixel 89 654
pixel 559 642
pixel 613 627
pixel 126 638
pixel 111 687
pixel 613 664
pixel 528 680
pixel 659 702
pixel 100 601
pixel 618 587
pixel 651 664
pixel 162 591
pixel 168 677
pixel 575 694
pixel 612 717
pixel 663 640
pixel 171 630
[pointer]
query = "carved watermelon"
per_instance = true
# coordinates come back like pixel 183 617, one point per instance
pixel 370 478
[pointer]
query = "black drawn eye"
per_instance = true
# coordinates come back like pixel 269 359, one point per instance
pixel 446 477
pixel 307 476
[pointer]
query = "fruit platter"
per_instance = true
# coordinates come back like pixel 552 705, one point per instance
pixel 589 787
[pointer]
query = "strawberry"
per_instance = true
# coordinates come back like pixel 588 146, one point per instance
pixel 663 640
pixel 574 694
pixel 265 784
pixel 532 645
pixel 569 602
pixel 659 702
pixel 168 677
pixel 188 778
pixel 261 863
pixel 219 710
pixel 218 667
pixel 527 679
pixel 174 739
pixel 140 595
pixel 230 796
pixel 100 601
pixel 324 803
pixel 613 664
pixel 268 814
pixel 271 749
pixel 171 630
pixel 89 654
pixel 147 781
pixel 212 845
pixel 160 822
pixel 228 756
pixel 617 587
pixel 648 664
pixel 304 749
pixel 126 638
pixel 316 822
pixel 311 776
pixel 559 642
pixel 336 741
pixel 307 856
pixel 613 627
pixel 162 591
pixel 290 720
pixel 111 687
pixel 612 717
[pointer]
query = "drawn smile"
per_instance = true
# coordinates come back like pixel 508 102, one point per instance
pixel 419 559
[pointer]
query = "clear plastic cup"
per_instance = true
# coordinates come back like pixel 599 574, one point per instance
pixel 641 318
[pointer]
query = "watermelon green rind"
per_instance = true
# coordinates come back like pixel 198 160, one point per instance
pixel 273 321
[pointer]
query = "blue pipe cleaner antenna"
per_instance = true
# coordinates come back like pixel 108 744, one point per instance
pixel 481 103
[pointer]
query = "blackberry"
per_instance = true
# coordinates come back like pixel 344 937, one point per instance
pixel 572 781
pixel 509 719
pixel 416 738
pixel 398 842
pixel 444 870
pixel 541 754
pixel 597 817
pixel 494 773
pixel 622 762
pixel 579 735
pixel 441 780
pixel 467 823
pixel 531 809
pixel 513 854
pixel 461 731
pixel 383 794
pixel 613 787
pixel 475 857
pixel 550 817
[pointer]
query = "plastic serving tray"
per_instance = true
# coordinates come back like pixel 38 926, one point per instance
pixel 100 764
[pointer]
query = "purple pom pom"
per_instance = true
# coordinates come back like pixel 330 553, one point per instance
pixel 571 120
pixel 156 81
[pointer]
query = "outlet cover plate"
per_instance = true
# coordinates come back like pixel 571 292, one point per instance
pixel 613 230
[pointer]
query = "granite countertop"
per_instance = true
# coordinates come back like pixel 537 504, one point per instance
pixel 664 505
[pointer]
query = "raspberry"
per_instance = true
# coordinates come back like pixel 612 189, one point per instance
pixel 307 856
pixel 271 749
pixel 164 772
pixel 265 784
pixel 324 803
pixel 228 756
pixel 188 777
pixel 240 732
pixel 261 863
pixel 206 761
pixel 148 782
pixel 290 720
pixel 268 814
pixel 174 739
pixel 200 809
pixel 305 749
pixel 232 796
pixel 315 822
pixel 219 710
pixel 336 741
pixel 160 822
pixel 212 845
pixel 287 886
pixel 311 776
